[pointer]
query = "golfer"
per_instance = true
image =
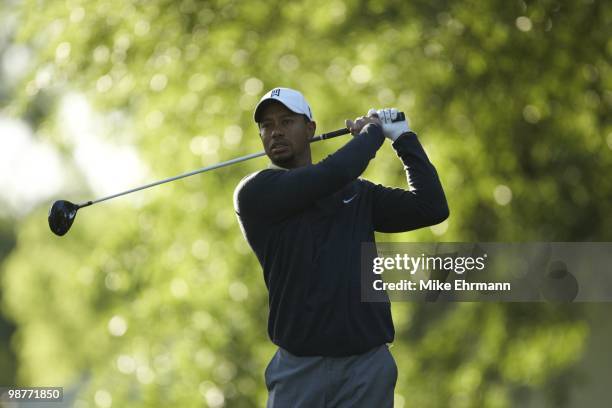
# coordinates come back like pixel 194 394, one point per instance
pixel 306 222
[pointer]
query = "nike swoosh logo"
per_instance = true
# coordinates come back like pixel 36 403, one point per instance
pixel 348 200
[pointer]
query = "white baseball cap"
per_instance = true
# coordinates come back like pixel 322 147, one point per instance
pixel 292 99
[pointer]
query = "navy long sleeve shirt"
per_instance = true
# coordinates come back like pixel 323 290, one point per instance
pixel 306 226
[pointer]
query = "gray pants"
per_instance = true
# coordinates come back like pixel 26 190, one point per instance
pixel 365 380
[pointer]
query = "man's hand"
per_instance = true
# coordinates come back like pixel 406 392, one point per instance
pixel 394 123
pixel 356 126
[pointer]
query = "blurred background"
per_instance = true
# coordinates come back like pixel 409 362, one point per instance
pixel 155 299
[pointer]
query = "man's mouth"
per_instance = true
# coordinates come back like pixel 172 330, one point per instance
pixel 278 147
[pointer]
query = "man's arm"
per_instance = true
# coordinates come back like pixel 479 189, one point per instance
pixel 275 194
pixel 399 210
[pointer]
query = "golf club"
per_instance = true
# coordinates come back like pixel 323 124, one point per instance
pixel 63 213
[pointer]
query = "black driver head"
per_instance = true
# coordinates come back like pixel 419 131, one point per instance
pixel 61 216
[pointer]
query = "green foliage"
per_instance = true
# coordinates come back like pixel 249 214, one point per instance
pixel 163 304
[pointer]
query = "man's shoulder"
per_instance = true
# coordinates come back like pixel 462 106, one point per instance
pixel 243 185
pixel 248 185
pixel 251 179
pixel 246 179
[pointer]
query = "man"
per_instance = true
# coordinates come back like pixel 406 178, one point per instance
pixel 306 222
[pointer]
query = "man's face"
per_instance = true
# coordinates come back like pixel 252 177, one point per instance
pixel 285 135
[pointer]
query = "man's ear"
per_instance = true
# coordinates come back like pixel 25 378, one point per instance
pixel 312 127
pixel 259 131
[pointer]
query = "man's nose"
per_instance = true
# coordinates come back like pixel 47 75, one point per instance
pixel 276 132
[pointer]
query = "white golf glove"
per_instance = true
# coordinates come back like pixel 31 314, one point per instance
pixel 394 122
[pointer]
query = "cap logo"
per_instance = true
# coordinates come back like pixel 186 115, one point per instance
pixel 275 92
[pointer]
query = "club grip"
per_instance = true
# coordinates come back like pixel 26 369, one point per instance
pixel 329 135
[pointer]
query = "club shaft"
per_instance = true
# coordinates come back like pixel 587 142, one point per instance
pixel 323 136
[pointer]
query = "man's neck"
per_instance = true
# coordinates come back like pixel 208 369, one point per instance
pixel 289 166
pixel 275 166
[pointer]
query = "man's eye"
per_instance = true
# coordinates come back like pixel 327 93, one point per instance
pixel 287 122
